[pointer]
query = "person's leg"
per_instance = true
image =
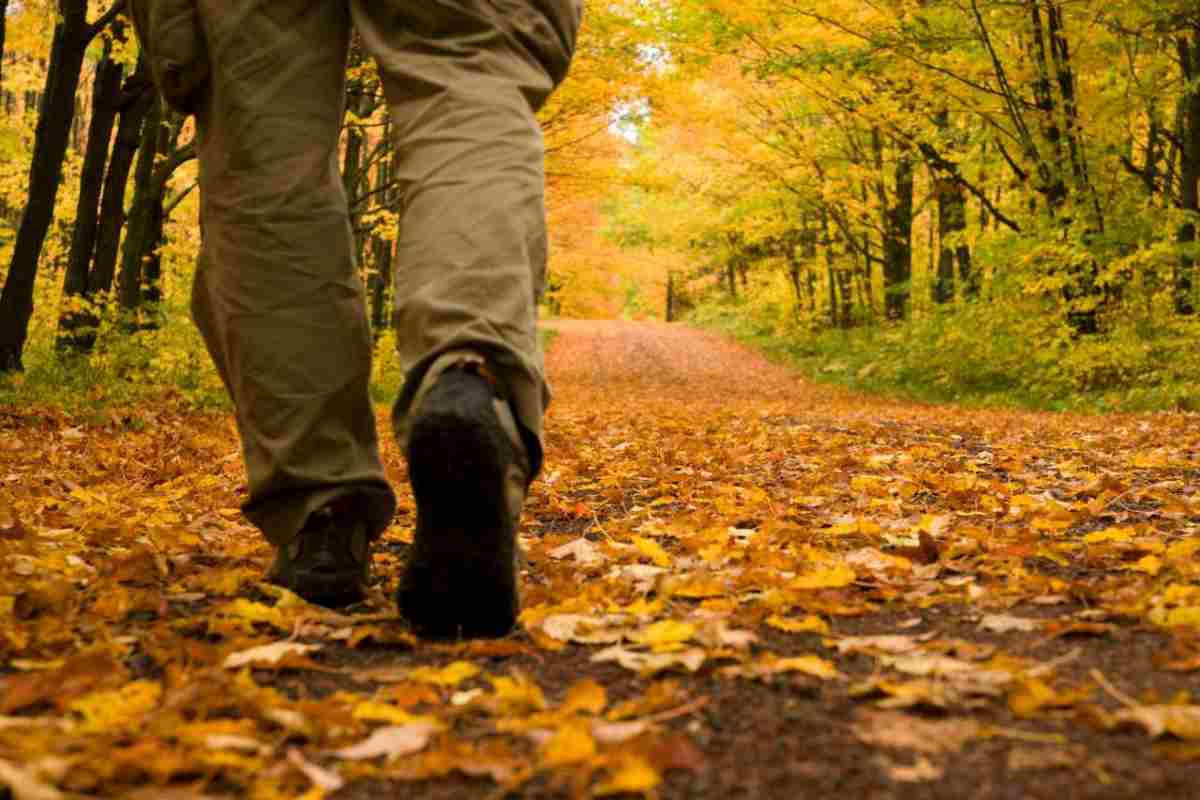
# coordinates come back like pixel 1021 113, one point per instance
pixel 464 79
pixel 277 296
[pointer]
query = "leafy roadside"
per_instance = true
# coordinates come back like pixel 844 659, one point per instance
pixel 976 358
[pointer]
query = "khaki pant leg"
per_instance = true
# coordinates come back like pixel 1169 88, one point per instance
pixel 277 296
pixel 464 79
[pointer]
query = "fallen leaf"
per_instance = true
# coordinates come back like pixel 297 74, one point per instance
pixel 899 731
pixel 652 663
pixel 324 779
pixel 1003 623
pixel 448 676
pixel 587 696
pixel 268 655
pixel 665 634
pixel 571 744
pixel 585 629
pixel 618 732
pixel 810 624
pixel 25 786
pixel 390 742
pixel 833 578
pixel 1031 758
pixel 584 552
pixel 652 550
pixel 1158 720
pixel 922 771
pixel 631 775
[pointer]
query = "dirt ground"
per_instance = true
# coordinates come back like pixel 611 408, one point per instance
pixel 736 584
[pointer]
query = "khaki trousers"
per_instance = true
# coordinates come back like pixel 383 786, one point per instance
pixel 277 295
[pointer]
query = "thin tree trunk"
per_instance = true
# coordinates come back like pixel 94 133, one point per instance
pixel 129 284
pixel 897 243
pixel 137 105
pixel 827 232
pixel 105 97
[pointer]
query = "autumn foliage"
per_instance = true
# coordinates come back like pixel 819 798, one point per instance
pixel 736 581
pixel 733 581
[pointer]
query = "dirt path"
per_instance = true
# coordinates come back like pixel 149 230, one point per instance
pixel 737 584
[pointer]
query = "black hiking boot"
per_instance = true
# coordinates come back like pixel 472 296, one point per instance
pixel 461 578
pixel 329 561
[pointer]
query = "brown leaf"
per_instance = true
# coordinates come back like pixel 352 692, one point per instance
pixel 909 732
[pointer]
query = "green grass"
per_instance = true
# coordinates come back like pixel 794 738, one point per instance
pixel 976 357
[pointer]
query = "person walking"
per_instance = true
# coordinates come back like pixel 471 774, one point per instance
pixel 281 308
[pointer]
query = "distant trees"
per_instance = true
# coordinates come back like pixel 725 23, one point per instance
pixel 849 135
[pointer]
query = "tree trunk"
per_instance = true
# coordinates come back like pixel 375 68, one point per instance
pixel 827 233
pixel 1190 175
pixel 952 224
pixel 1055 188
pixel 140 97
pixel 381 282
pixel 670 312
pixel 897 243
pixel 105 98
pixel 141 212
pixel 51 137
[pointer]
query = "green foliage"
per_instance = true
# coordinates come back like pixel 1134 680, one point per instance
pixel 168 364
pixel 125 368
pixel 985 354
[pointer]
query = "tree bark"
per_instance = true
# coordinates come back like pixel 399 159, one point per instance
pixel 139 96
pixel 51 138
pixel 129 284
pixel 106 94
pixel 897 243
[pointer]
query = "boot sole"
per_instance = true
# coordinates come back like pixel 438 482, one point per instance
pixel 330 591
pixel 461 577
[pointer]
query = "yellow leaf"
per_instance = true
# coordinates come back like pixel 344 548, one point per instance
pixel 810 624
pixel 1032 695
pixel 118 708
pixel 834 578
pixel 571 744
pixel 934 524
pixel 249 611
pixel 867 484
pixel 632 775
pixel 1110 535
pixel 451 675
pixel 666 634
pixel 808 665
pixel 652 550
pixel 1184 617
pixel 375 711
pixel 517 695
pixel 587 695
pixel 1151 565
pixel 1184 550
pixel 700 588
